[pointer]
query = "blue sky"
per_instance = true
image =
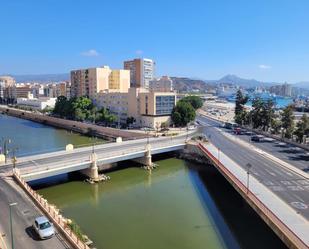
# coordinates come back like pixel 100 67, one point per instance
pixel 263 39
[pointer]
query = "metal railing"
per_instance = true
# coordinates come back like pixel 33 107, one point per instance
pixel 294 239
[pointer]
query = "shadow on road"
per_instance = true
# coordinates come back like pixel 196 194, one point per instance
pixel 32 233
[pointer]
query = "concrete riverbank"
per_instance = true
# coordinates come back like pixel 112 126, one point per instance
pixel 83 128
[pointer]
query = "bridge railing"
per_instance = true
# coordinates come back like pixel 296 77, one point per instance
pixel 294 238
pixel 53 214
pixel 86 160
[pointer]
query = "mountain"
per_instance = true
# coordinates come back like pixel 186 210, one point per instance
pixel 42 78
pixel 182 84
pixel 233 79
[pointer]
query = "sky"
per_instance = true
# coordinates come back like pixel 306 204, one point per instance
pixel 267 40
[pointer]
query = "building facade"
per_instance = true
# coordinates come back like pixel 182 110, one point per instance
pixel 36 103
pixel 89 82
pixel 7 89
pixel 163 84
pixel 142 71
pixel 284 90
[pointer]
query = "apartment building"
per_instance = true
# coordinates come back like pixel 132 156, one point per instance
pixel 7 85
pixel 163 84
pixel 142 71
pixel 89 82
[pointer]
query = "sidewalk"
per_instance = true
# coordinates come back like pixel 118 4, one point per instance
pixel 291 221
pixel 2 242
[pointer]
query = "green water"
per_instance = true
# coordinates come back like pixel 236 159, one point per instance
pixel 171 207
pixel 179 205
pixel 32 138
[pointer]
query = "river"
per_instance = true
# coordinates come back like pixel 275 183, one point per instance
pixel 179 205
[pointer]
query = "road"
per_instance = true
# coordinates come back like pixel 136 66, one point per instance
pixel 61 159
pixel 289 186
pixel 23 215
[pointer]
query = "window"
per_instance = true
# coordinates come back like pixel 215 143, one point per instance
pixel 164 105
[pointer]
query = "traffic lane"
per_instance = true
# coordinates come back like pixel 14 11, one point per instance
pixel 72 158
pixel 23 215
pixel 287 153
pixel 85 154
pixel 291 188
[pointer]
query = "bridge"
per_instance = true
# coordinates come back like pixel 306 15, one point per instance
pixel 91 159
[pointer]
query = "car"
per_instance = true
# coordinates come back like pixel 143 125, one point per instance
pixel 257 138
pixel 43 227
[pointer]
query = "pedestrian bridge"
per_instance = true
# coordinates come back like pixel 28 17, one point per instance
pixel 51 164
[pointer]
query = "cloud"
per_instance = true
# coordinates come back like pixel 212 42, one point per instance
pixel 264 67
pixel 90 53
pixel 139 52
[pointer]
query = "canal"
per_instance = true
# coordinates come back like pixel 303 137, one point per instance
pixel 179 205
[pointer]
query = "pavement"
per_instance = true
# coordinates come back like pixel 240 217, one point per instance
pixel 296 222
pixel 23 215
pixel 290 187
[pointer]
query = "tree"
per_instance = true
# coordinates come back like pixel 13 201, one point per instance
pixel 240 111
pixel 267 114
pixel 256 113
pixel 130 121
pixel 79 114
pixel 195 101
pixel 302 128
pixel 183 113
pixel 287 119
pixel 61 106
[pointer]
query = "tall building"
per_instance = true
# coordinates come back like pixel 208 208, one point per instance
pixel 163 84
pixel 7 89
pixel 284 90
pixel 142 71
pixel 91 81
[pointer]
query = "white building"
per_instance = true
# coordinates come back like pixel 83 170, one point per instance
pixel 36 103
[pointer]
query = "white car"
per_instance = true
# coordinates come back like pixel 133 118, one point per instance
pixel 44 227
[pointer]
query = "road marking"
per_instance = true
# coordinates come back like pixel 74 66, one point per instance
pixel 299 205
pixel 268 183
pixel 276 188
pixel 286 183
pixel 295 188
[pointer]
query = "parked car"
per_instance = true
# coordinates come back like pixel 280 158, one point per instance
pixel 257 138
pixel 43 227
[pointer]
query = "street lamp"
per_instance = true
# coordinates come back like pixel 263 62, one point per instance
pixel 248 174
pixel 5 147
pixel 11 225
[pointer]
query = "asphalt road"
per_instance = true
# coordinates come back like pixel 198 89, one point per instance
pixel 289 186
pixel 23 215
pixel 33 163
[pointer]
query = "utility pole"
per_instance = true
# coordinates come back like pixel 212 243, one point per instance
pixel 11 223
pixel 248 174
pixel 6 141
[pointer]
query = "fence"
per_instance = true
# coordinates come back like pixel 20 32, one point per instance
pixel 283 228
pixel 53 214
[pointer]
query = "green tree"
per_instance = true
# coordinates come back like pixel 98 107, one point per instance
pixel 195 101
pixel 267 114
pixel 256 117
pixel 79 114
pixel 61 106
pixel 287 119
pixel 183 113
pixel 302 128
pixel 130 121
pixel 240 111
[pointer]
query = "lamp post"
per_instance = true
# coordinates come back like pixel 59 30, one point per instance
pixel 11 225
pixel 5 147
pixel 248 174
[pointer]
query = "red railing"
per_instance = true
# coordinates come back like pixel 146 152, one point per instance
pixel 288 233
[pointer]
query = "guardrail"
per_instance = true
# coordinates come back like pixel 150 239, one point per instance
pixel 53 214
pixel 285 230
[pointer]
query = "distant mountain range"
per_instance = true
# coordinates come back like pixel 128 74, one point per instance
pixel 181 83
pixel 42 78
